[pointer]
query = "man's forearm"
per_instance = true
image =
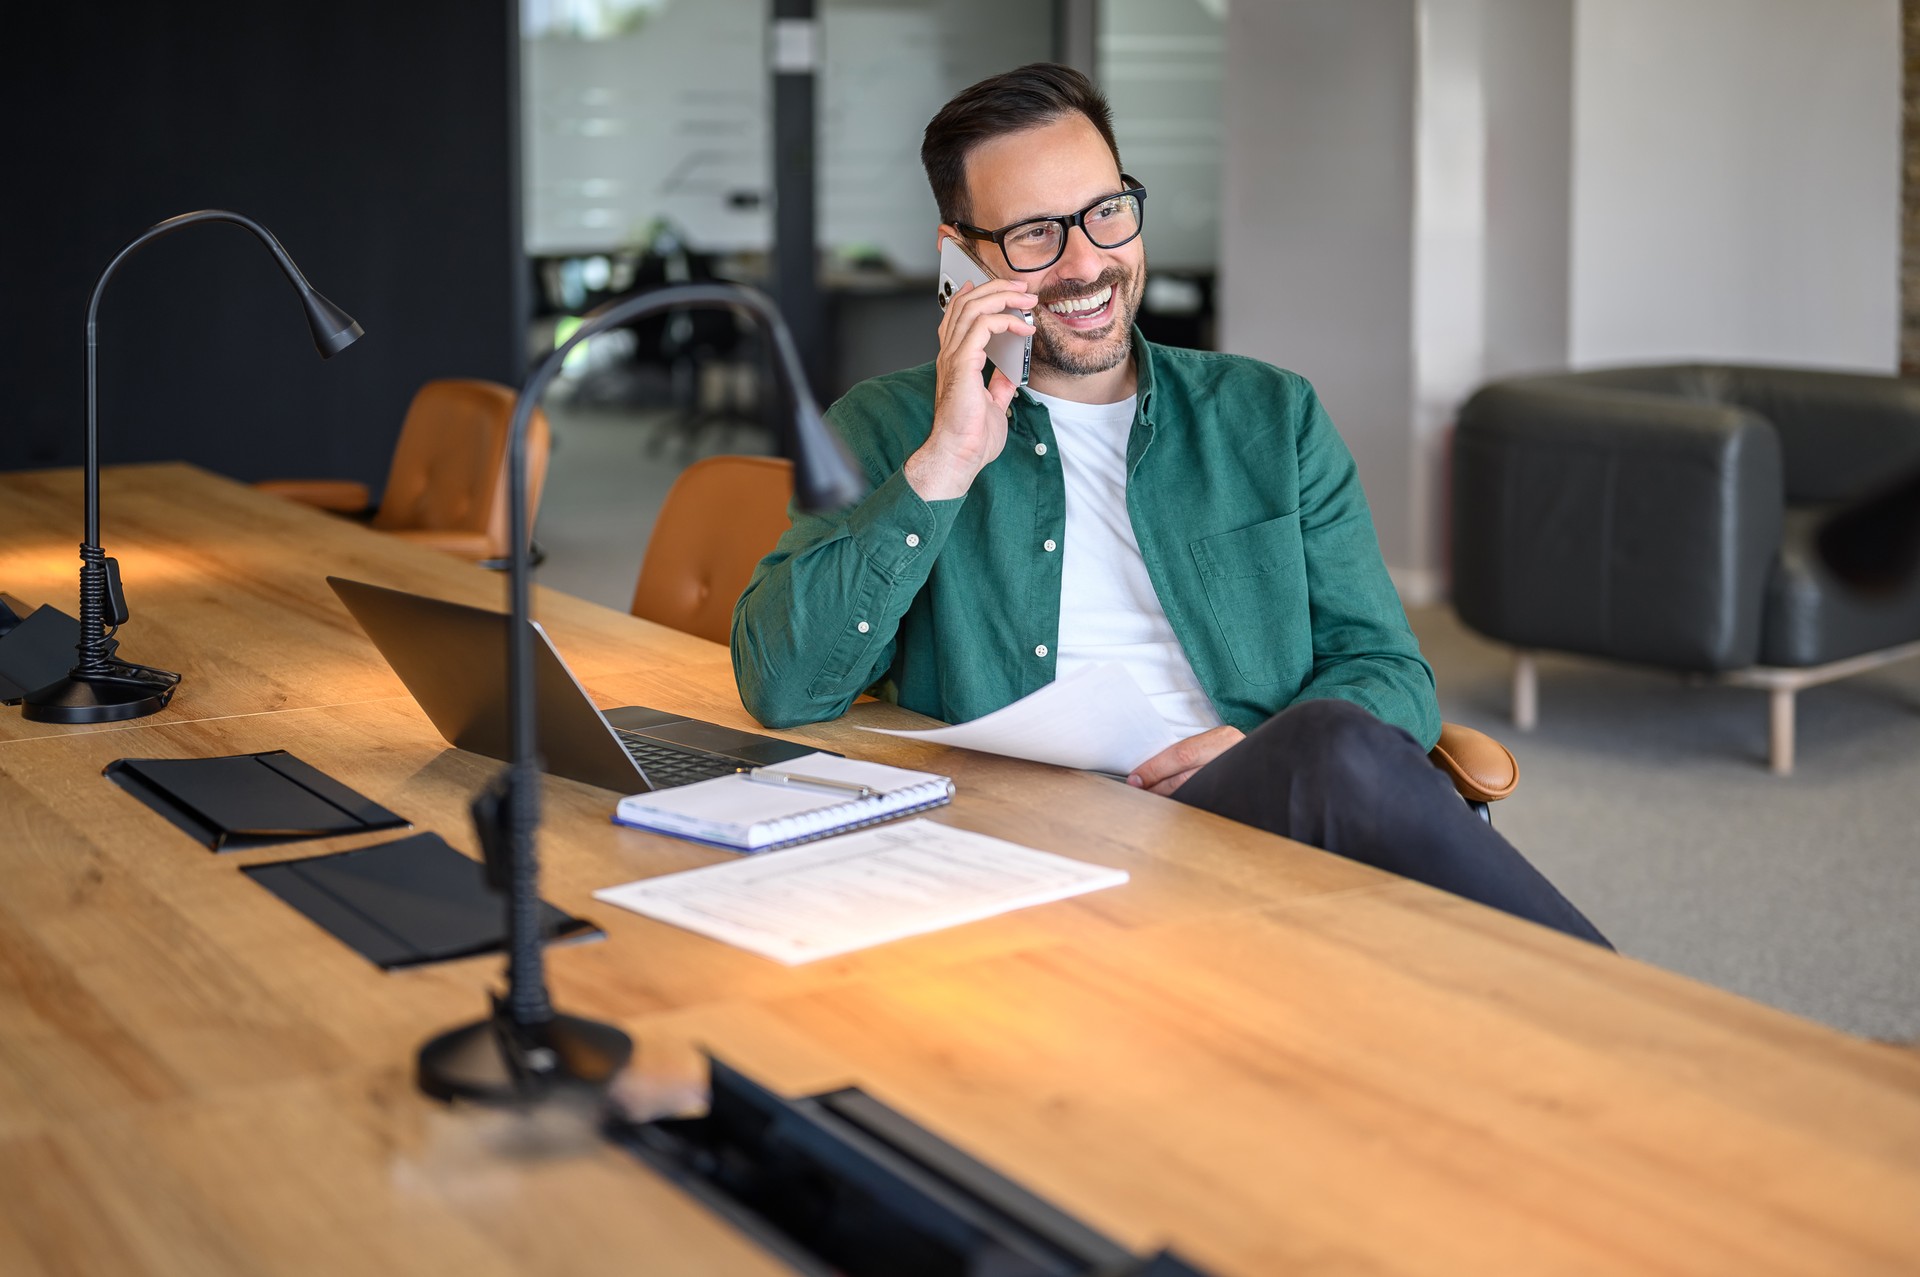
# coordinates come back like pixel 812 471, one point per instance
pixel 1395 689
pixel 817 623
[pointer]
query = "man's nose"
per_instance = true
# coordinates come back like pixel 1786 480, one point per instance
pixel 1082 260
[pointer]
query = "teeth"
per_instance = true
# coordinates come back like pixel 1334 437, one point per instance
pixel 1081 305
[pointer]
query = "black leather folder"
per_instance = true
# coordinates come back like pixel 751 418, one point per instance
pixel 407 902
pixel 37 647
pixel 246 800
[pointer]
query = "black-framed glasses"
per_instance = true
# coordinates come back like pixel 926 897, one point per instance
pixel 1035 244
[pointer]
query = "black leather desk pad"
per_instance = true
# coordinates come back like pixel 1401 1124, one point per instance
pixel 248 800
pixel 407 902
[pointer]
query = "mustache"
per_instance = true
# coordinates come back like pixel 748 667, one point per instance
pixel 1067 290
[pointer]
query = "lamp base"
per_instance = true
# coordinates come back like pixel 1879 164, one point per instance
pixel 496 1061
pixel 124 691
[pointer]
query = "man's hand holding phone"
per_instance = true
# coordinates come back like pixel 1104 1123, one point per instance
pixel 969 413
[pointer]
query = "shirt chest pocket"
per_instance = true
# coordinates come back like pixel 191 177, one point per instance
pixel 1256 584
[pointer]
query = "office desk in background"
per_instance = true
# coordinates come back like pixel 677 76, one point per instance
pixel 1270 1057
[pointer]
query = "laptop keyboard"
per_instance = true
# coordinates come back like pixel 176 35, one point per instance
pixel 666 766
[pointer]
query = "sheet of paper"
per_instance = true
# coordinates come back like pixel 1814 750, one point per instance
pixel 860 889
pixel 1098 720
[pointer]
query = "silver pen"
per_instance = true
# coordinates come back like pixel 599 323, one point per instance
pixel 768 776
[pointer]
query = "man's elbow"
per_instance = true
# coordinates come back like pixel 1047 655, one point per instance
pixel 773 701
pixel 772 709
pixel 770 688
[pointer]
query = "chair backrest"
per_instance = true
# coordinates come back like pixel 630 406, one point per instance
pixel 449 471
pixel 721 518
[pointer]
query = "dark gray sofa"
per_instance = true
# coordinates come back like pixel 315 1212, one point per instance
pixel 1666 516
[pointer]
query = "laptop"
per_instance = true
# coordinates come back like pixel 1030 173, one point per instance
pixel 453 659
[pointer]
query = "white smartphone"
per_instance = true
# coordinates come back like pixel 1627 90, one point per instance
pixel 1011 353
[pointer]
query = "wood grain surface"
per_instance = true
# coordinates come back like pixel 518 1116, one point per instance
pixel 1274 1059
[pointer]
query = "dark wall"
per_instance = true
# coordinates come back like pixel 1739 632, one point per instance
pixel 377 140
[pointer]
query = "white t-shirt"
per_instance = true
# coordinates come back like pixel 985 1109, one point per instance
pixel 1108 610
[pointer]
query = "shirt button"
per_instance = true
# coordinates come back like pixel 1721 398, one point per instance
pixel 863 627
pixel 1040 651
pixel 1048 545
pixel 1039 449
pixel 913 539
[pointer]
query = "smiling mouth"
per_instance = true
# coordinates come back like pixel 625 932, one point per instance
pixel 1085 312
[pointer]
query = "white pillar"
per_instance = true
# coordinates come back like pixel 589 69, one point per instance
pixel 1395 170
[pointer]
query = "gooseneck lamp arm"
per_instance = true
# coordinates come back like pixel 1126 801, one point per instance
pixel 527 1050
pixel 101 688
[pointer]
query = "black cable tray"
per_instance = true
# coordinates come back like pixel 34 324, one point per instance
pixel 840 1185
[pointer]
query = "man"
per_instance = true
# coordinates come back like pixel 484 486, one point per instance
pixel 1191 515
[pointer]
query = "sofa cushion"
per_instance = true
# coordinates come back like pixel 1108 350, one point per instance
pixel 1811 618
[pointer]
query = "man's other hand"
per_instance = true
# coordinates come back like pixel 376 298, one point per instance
pixel 1169 769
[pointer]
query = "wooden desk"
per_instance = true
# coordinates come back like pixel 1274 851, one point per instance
pixel 1273 1058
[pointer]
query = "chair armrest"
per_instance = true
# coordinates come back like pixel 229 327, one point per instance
pixel 1482 769
pixel 342 496
pixel 1623 524
pixel 474 546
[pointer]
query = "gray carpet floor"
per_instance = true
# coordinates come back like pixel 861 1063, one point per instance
pixel 1648 801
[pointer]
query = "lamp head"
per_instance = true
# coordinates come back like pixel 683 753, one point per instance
pixel 825 476
pixel 333 329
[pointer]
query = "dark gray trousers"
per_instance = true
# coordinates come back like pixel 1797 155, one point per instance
pixel 1328 773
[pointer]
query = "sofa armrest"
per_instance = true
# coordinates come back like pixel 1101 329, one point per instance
pixel 1621 524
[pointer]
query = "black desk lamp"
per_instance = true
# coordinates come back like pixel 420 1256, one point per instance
pixel 101 688
pixel 526 1051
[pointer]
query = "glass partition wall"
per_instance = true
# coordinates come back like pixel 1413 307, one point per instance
pixel 647 138
pixel 647 132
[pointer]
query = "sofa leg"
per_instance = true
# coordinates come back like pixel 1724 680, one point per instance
pixel 1526 690
pixel 1781 731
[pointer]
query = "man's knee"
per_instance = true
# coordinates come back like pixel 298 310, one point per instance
pixel 1338 748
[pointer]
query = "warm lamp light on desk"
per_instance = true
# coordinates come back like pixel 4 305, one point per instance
pixel 525 1050
pixel 101 688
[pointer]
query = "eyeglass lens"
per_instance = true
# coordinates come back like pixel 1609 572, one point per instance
pixel 1109 224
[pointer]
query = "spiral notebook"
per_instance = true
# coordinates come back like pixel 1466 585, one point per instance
pixel 792 802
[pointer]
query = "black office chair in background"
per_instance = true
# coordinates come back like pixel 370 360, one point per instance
pixel 704 366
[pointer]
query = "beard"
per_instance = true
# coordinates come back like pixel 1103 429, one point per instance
pixel 1083 354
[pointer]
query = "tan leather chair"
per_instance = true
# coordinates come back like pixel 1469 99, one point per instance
pixel 447 485
pixel 723 516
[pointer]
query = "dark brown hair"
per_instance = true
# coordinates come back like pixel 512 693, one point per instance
pixel 1025 98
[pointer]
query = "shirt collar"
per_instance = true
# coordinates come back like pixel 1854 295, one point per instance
pixel 1142 370
pixel 1142 375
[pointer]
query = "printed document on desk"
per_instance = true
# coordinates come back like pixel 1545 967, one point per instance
pixel 1097 720
pixel 858 890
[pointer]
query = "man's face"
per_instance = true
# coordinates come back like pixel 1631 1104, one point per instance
pixel 1054 170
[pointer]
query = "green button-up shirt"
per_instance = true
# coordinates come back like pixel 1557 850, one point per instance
pixel 1249 515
